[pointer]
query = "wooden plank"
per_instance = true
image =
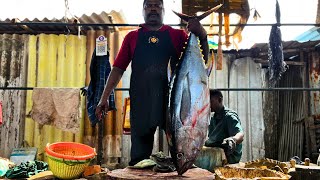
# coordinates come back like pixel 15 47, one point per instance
pixel 306 172
pixel 294 63
pixel 306 98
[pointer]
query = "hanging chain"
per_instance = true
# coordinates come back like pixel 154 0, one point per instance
pixel 66 12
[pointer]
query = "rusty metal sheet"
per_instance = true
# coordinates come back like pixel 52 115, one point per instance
pixel 314 82
pixel 13 68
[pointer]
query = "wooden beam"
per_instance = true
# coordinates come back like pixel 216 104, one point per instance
pixel 290 51
pixel 293 63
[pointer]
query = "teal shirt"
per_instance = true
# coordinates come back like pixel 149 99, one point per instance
pixel 224 124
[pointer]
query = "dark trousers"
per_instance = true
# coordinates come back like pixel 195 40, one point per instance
pixel 141 146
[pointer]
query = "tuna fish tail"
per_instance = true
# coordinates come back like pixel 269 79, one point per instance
pixel 205 14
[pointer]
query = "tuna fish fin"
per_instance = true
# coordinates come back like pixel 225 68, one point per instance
pixel 182 16
pixel 205 14
pixel 209 64
pixel 169 70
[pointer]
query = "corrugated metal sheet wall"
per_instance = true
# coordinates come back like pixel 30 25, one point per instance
pixel 314 120
pixel 54 61
pixel 285 113
pixel 13 50
pixel 244 73
pixel 315 83
pixel 292 112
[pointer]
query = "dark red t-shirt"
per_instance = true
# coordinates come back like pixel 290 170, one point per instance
pixel 125 55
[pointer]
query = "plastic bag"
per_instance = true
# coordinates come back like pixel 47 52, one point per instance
pixel 4 166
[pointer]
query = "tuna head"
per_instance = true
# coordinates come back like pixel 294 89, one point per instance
pixel 188 147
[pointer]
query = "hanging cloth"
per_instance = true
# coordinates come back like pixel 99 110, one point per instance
pixel 59 107
pixel 99 72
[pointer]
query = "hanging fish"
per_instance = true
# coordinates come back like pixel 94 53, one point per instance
pixel 277 66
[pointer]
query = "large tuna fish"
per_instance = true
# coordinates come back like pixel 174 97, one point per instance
pixel 188 111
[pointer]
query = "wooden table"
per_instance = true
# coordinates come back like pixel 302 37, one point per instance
pixel 302 172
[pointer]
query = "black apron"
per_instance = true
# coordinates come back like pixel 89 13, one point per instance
pixel 148 89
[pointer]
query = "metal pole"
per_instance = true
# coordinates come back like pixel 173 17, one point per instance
pixel 16 88
pixel 221 89
pixel 123 25
pixel 252 89
pixel 269 89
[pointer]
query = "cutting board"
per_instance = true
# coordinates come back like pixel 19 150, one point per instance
pixel 302 172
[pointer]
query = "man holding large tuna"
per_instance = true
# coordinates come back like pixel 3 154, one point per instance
pixel 149 50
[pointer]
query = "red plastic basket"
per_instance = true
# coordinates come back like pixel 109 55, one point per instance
pixel 67 160
pixel 70 151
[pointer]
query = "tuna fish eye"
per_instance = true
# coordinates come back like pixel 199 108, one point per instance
pixel 180 155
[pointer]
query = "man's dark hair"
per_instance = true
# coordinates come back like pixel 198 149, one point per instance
pixel 144 1
pixel 215 93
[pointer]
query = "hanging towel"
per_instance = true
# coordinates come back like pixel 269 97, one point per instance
pixel 59 107
pixel 99 72
pixel 1 113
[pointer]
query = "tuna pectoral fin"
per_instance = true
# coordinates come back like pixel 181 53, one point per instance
pixel 185 100
pixel 205 14
pixel 182 16
pixel 169 70
pixel 209 64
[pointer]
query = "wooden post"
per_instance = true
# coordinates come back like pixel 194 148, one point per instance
pixel 313 145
